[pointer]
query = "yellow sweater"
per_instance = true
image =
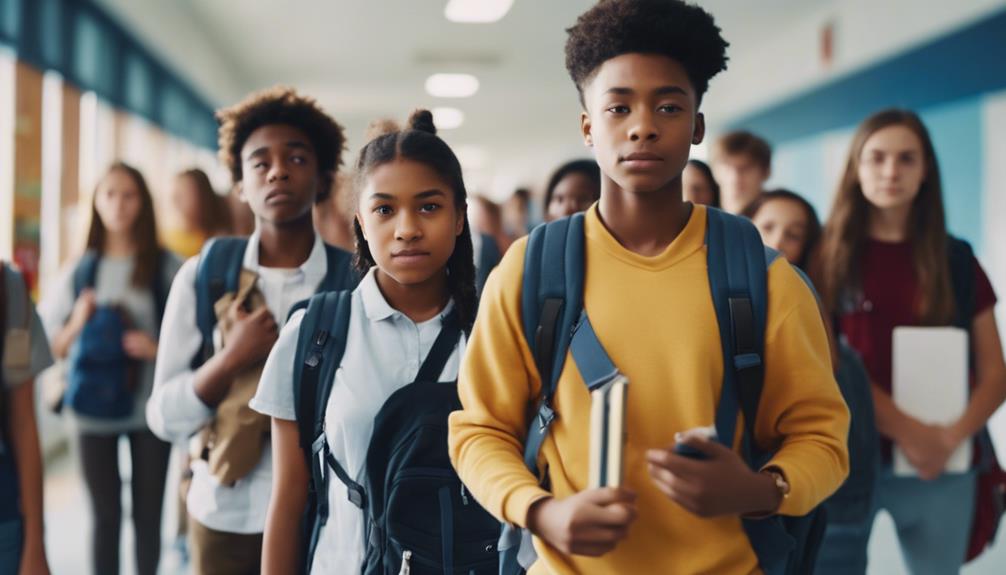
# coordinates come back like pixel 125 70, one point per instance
pixel 655 318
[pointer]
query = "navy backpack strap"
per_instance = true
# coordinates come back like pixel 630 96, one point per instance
pixel 86 273
pixel 738 283
pixel 962 278
pixel 551 301
pixel 442 349
pixel 321 343
pixel 339 272
pixel 218 272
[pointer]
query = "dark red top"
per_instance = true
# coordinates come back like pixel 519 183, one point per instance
pixel 889 293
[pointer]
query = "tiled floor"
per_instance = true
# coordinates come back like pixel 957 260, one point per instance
pixel 67 533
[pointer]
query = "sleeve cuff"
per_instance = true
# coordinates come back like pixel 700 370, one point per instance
pixel 272 409
pixel 519 501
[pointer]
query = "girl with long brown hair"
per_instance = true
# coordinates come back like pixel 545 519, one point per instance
pixel 117 286
pixel 886 260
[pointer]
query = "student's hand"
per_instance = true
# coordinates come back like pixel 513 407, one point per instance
pixel 139 345
pixel 722 484
pixel 928 447
pixel 83 309
pixel 589 523
pixel 250 338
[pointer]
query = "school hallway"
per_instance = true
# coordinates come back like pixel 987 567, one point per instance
pixel 88 84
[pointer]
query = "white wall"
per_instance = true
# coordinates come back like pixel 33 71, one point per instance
pixel 787 62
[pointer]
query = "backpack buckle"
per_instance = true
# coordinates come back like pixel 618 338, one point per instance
pixel 357 497
pixel 746 360
pixel 545 416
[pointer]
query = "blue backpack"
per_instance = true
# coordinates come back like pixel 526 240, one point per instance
pixel 419 516
pixel 219 272
pixel 555 321
pixel 100 376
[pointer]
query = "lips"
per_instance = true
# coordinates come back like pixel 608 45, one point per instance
pixel 642 157
pixel 407 254
pixel 644 161
pixel 279 196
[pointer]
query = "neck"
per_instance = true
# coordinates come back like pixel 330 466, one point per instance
pixel 421 301
pixel 118 244
pixel 890 224
pixel 643 223
pixel 287 245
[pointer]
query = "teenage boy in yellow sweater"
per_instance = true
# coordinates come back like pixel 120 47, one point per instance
pixel 641 67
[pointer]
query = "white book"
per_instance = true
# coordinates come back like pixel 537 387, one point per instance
pixel 930 382
pixel 607 433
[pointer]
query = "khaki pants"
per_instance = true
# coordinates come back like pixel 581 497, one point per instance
pixel 220 553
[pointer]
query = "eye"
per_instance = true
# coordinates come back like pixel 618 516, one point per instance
pixel 618 109
pixel 258 165
pixel 299 160
pixel 431 207
pixel 670 108
pixel 383 210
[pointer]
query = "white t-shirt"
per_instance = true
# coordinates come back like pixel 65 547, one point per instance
pixel 384 351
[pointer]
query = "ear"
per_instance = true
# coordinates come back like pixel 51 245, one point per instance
pixel 699 132
pixel 239 190
pixel 459 223
pixel 363 229
pixel 585 126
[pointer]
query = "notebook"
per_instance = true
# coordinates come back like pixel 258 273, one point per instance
pixel 607 433
pixel 930 382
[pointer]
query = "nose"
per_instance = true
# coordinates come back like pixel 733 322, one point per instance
pixel 644 128
pixel 278 172
pixel 407 228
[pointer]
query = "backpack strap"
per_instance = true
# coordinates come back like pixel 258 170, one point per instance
pixel 442 349
pixel 738 282
pixel 962 278
pixel 551 302
pixel 218 272
pixel 321 344
pixel 85 275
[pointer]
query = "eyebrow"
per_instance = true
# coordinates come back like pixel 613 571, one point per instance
pixel 296 144
pixel 421 195
pixel 663 90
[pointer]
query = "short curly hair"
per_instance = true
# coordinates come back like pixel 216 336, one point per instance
pixel 683 32
pixel 281 105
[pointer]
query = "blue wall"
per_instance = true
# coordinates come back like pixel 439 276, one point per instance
pixel 945 80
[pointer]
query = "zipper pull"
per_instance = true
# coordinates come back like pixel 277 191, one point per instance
pixel 464 495
pixel 406 560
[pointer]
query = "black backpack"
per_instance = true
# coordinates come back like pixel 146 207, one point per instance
pixel 419 516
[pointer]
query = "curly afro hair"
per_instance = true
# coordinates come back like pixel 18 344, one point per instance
pixel 281 105
pixel 681 31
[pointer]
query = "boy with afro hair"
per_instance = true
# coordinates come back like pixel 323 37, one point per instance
pixel 283 152
pixel 641 68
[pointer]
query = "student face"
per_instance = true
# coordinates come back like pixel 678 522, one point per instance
pixel 280 176
pixel 641 120
pixel 696 187
pixel 118 202
pixel 891 168
pixel 574 193
pixel 410 221
pixel 741 180
pixel 783 226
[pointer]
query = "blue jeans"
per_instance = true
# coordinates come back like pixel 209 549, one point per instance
pixel 10 545
pixel 932 518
